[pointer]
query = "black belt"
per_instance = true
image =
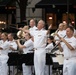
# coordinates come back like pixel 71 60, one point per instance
pixel 70 58
pixel 38 48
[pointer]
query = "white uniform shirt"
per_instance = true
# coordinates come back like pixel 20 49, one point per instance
pixel 12 44
pixel 61 34
pixel 32 29
pixel 66 51
pixel 49 47
pixel 4 46
pixel 29 46
pixel 40 38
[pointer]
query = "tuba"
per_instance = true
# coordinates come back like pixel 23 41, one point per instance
pixel 21 33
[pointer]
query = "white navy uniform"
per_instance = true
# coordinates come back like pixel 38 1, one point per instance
pixel 69 57
pixel 29 46
pixel 40 39
pixel 48 49
pixel 4 57
pixel 13 44
pixel 61 34
pixel 32 29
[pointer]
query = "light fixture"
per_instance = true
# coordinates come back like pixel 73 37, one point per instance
pixel 72 22
pixel 64 21
pixel 2 22
pixel 50 18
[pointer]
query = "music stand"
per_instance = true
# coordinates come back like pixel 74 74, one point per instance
pixel 27 59
pixel 49 60
pixel 13 60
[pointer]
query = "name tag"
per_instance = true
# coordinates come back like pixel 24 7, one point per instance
pixel 39 35
pixel 69 42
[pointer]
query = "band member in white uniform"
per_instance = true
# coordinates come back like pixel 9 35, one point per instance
pixel 60 31
pixel 4 47
pixel 68 46
pixel 33 27
pixel 65 26
pixel 28 45
pixel 51 44
pixel 32 24
pixel 48 49
pixel 12 48
pixel 40 38
pixel 12 42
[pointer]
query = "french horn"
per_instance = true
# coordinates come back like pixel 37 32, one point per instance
pixel 21 33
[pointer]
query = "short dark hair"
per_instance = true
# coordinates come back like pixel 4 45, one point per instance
pixel 71 28
pixel 51 37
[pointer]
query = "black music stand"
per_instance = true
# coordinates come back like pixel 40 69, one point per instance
pixel 13 60
pixel 16 59
pixel 26 58
pixel 29 59
pixel 49 60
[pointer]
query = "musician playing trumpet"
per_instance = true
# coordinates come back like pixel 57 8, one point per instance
pixel 68 46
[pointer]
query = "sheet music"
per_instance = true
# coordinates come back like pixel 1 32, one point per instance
pixel 59 59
